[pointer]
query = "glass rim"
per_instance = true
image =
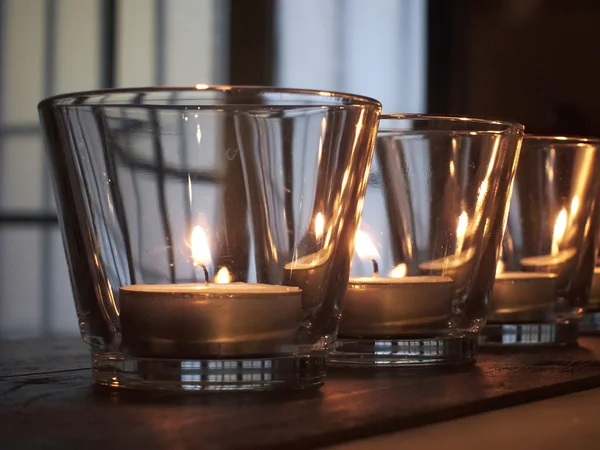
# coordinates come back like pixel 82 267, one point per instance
pixel 562 140
pixel 66 99
pixel 453 118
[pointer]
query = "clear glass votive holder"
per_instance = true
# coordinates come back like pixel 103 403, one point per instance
pixel 545 271
pixel 207 229
pixel 426 250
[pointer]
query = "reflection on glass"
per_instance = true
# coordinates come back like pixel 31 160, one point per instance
pixel 434 214
pixel 548 251
pixel 222 190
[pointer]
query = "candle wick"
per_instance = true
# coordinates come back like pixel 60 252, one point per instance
pixel 375 268
pixel 205 273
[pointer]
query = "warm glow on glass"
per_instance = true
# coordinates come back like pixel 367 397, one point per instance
pixel 321 140
pixel 574 205
pixel 399 271
pixel 586 230
pixel 559 230
pixel 549 171
pixel 499 267
pixel 319 226
pixel 200 248
pixel 461 230
pixel 364 246
pixel 223 276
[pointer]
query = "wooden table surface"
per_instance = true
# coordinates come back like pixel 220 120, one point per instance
pixel 48 401
pixel 559 423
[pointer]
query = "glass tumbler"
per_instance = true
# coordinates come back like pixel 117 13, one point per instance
pixel 550 245
pixel 207 229
pixel 428 242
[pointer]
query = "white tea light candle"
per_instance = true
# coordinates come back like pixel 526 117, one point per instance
pixel 200 320
pixel 393 306
pixel 458 267
pixel 523 297
pixel 375 306
pixel 558 261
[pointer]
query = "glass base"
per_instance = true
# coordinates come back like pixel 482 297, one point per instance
pixel 529 334
pixel 239 374
pixel 590 323
pixel 403 352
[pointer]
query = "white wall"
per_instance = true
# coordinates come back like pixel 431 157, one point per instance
pixel 374 48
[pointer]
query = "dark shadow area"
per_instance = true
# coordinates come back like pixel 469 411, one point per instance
pixel 527 60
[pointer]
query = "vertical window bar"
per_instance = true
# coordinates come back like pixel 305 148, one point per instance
pixel 159 70
pixel 251 60
pixel 2 38
pixel 49 83
pixel 340 39
pixel 108 42
pixel 221 42
pixel 440 43
pixel 50 48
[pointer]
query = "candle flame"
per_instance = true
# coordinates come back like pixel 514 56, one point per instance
pixel 399 271
pixel 559 230
pixel 319 225
pixel 223 276
pixel 461 231
pixel 364 246
pixel 200 248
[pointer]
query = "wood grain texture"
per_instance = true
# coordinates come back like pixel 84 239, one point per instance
pixel 27 356
pixel 51 403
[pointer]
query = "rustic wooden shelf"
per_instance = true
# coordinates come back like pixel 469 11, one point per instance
pixel 47 400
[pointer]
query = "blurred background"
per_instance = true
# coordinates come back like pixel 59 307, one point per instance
pixel 533 61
